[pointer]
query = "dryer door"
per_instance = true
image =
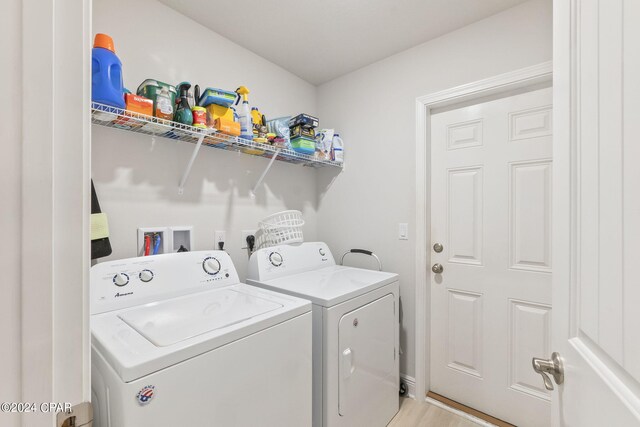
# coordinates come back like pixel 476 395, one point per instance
pixel 368 384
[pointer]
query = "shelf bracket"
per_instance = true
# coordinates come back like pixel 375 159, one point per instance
pixel 273 158
pixel 190 164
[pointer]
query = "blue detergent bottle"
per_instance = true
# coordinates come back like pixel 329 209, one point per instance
pixel 106 73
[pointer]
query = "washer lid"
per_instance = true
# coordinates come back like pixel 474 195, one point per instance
pixel 140 340
pixel 331 285
pixel 169 322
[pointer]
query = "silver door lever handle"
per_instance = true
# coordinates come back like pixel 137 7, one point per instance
pixel 546 367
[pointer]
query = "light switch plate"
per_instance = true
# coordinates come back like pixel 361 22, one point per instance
pixel 403 231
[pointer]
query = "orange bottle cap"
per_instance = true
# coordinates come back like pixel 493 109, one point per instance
pixel 104 41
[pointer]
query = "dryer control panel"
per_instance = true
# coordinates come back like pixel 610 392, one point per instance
pixel 129 282
pixel 284 260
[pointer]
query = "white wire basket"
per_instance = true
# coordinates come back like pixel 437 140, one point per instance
pixel 280 229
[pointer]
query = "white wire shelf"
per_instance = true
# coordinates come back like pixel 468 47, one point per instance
pixel 113 117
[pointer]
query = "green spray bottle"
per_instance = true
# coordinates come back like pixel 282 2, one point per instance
pixel 183 112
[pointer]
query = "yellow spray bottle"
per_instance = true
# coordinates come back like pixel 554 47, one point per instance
pixel 243 92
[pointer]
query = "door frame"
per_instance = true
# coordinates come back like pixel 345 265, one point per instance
pixel 503 83
pixel 56 160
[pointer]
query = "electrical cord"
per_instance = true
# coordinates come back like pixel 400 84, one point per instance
pixel 251 242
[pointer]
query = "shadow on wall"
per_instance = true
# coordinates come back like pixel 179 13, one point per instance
pixel 143 168
pixel 325 179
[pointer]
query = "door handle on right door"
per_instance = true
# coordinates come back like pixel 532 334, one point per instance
pixel 546 367
pixel 437 268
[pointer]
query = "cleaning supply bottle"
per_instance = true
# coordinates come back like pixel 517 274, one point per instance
pixel 163 108
pixel 244 113
pixel 184 114
pixel 190 99
pixel 257 117
pixel 337 149
pixel 106 73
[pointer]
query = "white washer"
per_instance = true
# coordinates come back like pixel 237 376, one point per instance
pixel 178 341
pixel 355 331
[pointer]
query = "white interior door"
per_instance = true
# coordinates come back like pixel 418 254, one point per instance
pixel 596 321
pixel 491 212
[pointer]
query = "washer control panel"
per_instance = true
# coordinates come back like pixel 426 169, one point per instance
pixel 135 281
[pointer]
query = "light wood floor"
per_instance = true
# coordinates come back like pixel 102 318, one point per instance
pixel 413 413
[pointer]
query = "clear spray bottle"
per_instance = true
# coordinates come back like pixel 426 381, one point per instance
pixel 244 113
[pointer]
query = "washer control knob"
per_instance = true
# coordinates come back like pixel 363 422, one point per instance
pixel 121 279
pixel 146 275
pixel 276 259
pixel 211 266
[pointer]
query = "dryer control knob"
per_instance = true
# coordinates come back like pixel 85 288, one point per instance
pixel 146 275
pixel 120 279
pixel 211 266
pixel 276 259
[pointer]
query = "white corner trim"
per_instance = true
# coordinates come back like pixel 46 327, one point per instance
pixel 458 412
pixel 411 385
pixel 513 80
pixel 422 307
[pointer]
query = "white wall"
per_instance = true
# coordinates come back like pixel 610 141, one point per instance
pixel 374 109
pixel 137 179
pixel 11 207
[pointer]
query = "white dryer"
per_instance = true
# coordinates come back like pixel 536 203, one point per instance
pixel 355 331
pixel 178 341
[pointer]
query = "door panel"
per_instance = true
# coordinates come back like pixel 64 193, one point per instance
pixel 531 123
pixel 465 215
pixel 465 332
pixel 530 216
pixel 528 334
pixel 491 211
pixel 597 212
pixel 464 135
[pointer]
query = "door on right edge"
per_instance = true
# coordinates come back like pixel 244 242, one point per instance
pixel 596 283
pixel 491 177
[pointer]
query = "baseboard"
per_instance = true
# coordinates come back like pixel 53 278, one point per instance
pixel 458 412
pixel 411 385
pixel 411 392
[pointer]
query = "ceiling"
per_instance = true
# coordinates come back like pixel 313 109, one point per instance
pixel 323 39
